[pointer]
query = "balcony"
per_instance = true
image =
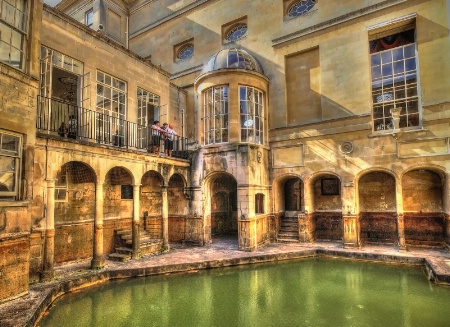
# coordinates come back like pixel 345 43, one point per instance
pixel 67 121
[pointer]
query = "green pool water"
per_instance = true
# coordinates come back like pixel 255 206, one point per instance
pixel 310 292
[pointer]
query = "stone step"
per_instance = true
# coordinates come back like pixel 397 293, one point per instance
pixel 123 231
pixel 119 257
pixel 287 240
pixel 288 234
pixel 124 250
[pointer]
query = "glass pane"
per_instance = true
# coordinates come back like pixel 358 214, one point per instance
pixel 376 72
pixel 100 77
pixel 16 40
pixel 57 59
pixel 16 57
pixel 107 80
pixel 4 52
pixel 410 64
pixel 398 67
pixel 386 57
pixel 5 33
pixel 10 144
pixel 387 70
pixel 376 60
pixel 20 18
pixel 397 54
pixel 8 13
pixel 410 51
pixel 7 180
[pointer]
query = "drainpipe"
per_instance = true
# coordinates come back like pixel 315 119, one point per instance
pixel 126 32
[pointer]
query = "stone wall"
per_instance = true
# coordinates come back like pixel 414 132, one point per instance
pixel 424 228
pixel 378 227
pixel 328 226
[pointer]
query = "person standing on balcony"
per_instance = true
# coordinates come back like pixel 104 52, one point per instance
pixel 156 134
pixel 168 144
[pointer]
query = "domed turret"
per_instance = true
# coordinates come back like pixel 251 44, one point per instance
pixel 232 59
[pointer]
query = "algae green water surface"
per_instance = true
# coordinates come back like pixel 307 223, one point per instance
pixel 310 292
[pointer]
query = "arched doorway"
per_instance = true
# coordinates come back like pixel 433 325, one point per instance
pixel 117 209
pixel 224 206
pixel 291 204
pixel 74 211
pixel 178 208
pixel 327 215
pixel 151 204
pixel 423 208
pixel 378 209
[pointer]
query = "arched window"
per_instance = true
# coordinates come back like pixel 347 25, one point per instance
pixel 215 119
pixel 251 103
pixel 300 8
pixel 186 51
pixel 237 32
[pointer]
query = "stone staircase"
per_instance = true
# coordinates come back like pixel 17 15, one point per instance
pixel 123 252
pixel 288 228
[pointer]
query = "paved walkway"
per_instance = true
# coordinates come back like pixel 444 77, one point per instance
pixel 25 310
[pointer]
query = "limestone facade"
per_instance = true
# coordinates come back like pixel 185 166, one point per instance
pixel 297 121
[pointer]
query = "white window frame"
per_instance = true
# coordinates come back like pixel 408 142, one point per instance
pixel 15 20
pixel 216 115
pixel 16 170
pixel 250 118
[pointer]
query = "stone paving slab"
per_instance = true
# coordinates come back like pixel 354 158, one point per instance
pixel 26 310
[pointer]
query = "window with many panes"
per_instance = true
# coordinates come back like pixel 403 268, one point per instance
pixel 395 80
pixel 148 112
pixel 13 31
pixel 111 109
pixel 251 104
pixel 10 156
pixel 215 114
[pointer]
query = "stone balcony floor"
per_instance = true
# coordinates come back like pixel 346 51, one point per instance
pixel 24 311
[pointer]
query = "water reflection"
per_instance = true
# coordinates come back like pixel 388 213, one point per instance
pixel 311 292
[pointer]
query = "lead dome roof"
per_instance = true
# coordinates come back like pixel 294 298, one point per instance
pixel 232 59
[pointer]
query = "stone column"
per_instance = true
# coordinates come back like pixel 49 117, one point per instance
pixel 306 227
pixel 400 218
pixel 350 220
pixel 165 217
pixel 48 271
pixel 136 224
pixel 98 259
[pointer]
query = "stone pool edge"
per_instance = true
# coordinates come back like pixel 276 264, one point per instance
pixel 58 288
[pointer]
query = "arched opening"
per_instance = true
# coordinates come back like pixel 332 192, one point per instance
pixel 224 209
pixel 378 209
pixel 151 204
pixel 292 201
pixel 74 211
pixel 117 209
pixel 178 208
pixel 327 215
pixel 293 194
pixel 423 208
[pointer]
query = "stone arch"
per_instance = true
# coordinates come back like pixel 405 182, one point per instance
pixel 378 207
pixel 74 211
pixel 423 206
pixel 178 207
pixel 326 206
pixel 151 203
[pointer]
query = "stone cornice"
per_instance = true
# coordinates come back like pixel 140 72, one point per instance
pixel 177 13
pixel 277 42
pixel 187 71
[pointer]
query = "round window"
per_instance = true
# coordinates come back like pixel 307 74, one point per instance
pixel 186 51
pixel 301 7
pixel 237 32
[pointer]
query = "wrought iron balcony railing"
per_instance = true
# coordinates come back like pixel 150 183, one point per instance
pixel 57 117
